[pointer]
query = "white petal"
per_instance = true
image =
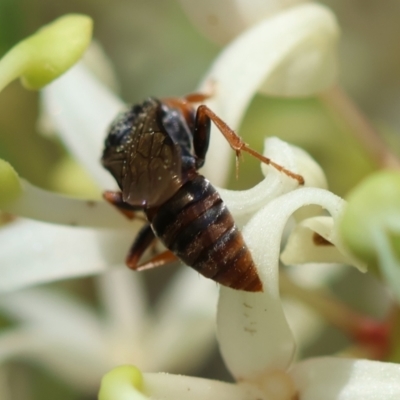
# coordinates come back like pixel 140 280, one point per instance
pixel 292 53
pixel 316 275
pixel 42 205
pixel 52 310
pixel 221 21
pixel 331 378
pixel 306 166
pixel 184 323
pixel 253 333
pixel 34 252
pixel 301 248
pixel 57 331
pixel 81 109
pixel 61 333
pixel 252 330
pixel 312 65
pixel 80 366
pixel 173 387
pixel 124 299
pixel 264 231
pixel 244 203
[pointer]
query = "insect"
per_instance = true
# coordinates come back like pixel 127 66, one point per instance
pixel 154 151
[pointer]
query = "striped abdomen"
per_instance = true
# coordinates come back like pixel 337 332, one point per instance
pixel 196 226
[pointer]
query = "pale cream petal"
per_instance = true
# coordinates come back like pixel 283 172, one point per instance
pixel 58 332
pixel 304 247
pixel 253 334
pixel 223 20
pixel 79 366
pixel 248 344
pixel 124 299
pixel 81 109
pixel 266 227
pixel 244 203
pixel 52 310
pixel 42 205
pixel 184 323
pixel 35 252
pixel 312 64
pixel 174 387
pixel 331 378
pixel 292 53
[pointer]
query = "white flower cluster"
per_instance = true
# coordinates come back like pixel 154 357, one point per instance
pixel 285 48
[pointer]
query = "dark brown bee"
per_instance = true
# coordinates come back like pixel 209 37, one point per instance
pixel 154 151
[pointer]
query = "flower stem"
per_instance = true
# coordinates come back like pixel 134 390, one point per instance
pixel 344 108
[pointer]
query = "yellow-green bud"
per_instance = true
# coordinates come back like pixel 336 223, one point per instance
pixel 124 382
pixel 48 53
pixel 373 207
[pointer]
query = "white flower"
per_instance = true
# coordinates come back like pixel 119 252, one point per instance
pixel 224 20
pixel 81 110
pixel 256 341
pixel 69 338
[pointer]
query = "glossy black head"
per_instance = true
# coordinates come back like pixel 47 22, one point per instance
pixel 142 156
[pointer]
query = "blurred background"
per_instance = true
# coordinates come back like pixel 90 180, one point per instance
pixel 155 50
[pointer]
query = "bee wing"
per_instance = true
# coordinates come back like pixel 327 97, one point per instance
pixel 153 170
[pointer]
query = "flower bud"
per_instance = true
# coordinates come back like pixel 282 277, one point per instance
pixel 370 226
pixel 48 53
pixel 124 382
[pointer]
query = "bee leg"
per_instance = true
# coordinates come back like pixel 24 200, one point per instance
pixel 204 116
pixel 164 258
pixel 115 198
pixel 142 242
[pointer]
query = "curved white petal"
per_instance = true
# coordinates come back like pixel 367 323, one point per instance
pixel 252 330
pixel 244 203
pixel 35 252
pixel 173 387
pixel 304 247
pixel 221 21
pixel 267 225
pixel 184 323
pixel 42 205
pixel 81 109
pixel 331 378
pixel 292 53
pixel 312 65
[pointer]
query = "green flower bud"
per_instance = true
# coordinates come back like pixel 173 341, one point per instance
pixel 122 382
pixel 373 205
pixel 370 226
pixel 48 53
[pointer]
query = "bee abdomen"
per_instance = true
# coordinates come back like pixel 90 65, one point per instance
pixel 197 226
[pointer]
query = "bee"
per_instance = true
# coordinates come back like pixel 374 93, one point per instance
pixel 154 151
